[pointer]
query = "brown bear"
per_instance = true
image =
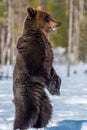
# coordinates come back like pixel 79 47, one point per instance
pixel 34 71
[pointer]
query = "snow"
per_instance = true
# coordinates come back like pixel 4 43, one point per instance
pixel 69 109
pixel 59 55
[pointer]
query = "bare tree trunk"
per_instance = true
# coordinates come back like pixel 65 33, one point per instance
pixel 78 15
pixel 76 33
pixel 20 14
pixel 2 45
pixel 41 3
pixel 9 35
pixel 81 9
pixel 70 36
pixel 13 41
pixel 13 47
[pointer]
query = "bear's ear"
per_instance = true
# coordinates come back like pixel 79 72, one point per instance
pixel 31 11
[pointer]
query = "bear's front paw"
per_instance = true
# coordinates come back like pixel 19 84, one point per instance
pixel 49 80
pixel 54 85
pixel 57 81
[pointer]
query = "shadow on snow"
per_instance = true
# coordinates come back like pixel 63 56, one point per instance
pixel 70 125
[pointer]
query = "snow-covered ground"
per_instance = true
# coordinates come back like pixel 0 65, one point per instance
pixel 69 109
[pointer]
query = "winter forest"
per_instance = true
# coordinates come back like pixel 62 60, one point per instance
pixel 70 60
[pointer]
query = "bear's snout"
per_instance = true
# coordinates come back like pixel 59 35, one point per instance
pixel 58 24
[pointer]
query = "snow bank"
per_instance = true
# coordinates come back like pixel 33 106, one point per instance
pixel 69 109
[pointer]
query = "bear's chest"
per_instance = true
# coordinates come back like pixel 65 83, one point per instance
pixel 48 52
pixel 48 57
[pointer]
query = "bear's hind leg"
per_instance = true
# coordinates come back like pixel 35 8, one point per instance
pixel 45 112
pixel 25 117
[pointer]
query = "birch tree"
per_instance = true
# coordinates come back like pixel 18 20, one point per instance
pixel 78 16
pixel 41 3
pixel 70 35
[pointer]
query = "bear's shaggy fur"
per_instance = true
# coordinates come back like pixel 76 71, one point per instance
pixel 33 71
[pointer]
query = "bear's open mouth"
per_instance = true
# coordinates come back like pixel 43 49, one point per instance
pixel 54 29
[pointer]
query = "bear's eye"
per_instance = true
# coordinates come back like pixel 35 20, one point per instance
pixel 47 18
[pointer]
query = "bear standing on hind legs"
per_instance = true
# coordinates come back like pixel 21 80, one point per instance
pixel 34 71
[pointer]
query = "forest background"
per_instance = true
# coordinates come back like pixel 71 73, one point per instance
pixel 72 35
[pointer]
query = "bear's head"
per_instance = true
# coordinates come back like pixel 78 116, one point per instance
pixel 40 19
